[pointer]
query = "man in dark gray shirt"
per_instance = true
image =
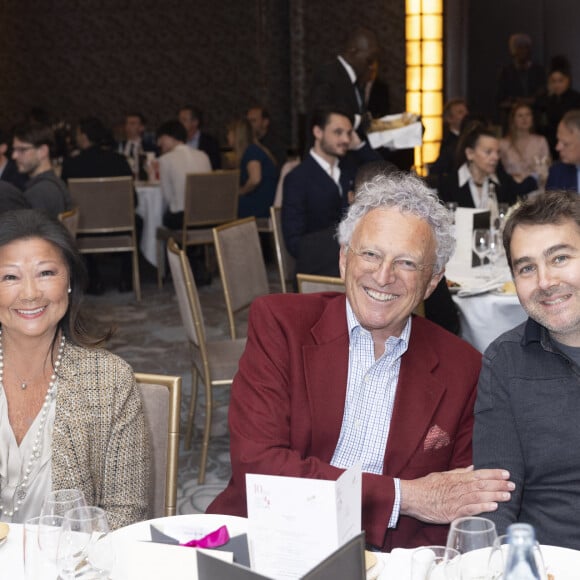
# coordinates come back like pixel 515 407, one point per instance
pixel 528 402
pixel 31 150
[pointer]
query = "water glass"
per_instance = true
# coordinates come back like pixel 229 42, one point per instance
pixel 60 501
pixel 40 543
pixel 435 563
pixel 495 250
pixel 85 549
pixel 473 538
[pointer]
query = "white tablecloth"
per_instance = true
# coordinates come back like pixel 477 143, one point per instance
pixel 485 316
pixel 561 562
pixel 11 553
pixel 150 206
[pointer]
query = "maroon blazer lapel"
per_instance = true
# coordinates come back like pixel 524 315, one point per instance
pixel 417 399
pixel 326 372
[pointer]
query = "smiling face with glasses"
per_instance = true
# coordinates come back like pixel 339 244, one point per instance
pixel 388 269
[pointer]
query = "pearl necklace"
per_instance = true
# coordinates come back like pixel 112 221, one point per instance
pixel 21 488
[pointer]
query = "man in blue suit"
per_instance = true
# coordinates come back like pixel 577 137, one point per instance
pixel 565 174
pixel 316 193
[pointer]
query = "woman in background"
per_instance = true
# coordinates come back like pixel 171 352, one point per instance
pixel 522 152
pixel 258 170
pixel 481 181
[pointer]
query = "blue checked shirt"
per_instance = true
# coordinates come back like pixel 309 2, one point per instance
pixel 370 398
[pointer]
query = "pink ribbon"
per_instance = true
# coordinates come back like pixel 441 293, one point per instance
pixel 212 540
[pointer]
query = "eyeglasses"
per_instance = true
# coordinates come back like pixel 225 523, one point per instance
pixel 374 261
pixel 21 150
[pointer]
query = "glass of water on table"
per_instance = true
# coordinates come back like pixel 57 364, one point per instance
pixel 473 538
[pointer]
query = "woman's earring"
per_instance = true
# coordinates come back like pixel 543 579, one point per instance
pixel 69 289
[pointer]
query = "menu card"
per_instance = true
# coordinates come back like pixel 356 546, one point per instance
pixel 466 220
pixel 295 523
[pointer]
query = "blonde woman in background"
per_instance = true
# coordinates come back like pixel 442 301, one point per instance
pixel 258 170
pixel 522 152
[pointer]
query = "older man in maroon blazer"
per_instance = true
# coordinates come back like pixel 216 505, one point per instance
pixel 329 380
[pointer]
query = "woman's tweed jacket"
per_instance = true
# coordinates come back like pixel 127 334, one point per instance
pixel 99 441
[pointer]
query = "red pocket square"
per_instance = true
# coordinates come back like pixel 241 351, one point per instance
pixel 436 439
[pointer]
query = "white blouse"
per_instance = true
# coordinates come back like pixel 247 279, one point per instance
pixel 13 462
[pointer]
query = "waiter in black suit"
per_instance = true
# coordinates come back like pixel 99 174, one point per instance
pixel 339 82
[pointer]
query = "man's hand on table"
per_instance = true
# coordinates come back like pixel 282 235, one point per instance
pixel 439 498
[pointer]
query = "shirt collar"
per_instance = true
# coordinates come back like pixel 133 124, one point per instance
pixel 464 175
pixel 348 69
pixel 353 324
pixel 322 162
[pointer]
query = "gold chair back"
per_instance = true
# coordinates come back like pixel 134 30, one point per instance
pixel 161 396
pixel 214 362
pixel 211 199
pixel 241 264
pixel 107 208
pixel 308 283
pixel 70 219
pixel 285 261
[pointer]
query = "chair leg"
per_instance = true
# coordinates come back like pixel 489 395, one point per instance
pixel 206 434
pixel 136 276
pixel 191 414
pixel 160 263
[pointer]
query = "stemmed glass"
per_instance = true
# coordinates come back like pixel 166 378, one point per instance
pixel 495 250
pixel 60 501
pixel 481 239
pixel 473 538
pixel 85 546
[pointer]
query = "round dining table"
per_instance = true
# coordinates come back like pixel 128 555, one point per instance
pixel 562 563
pixel 485 310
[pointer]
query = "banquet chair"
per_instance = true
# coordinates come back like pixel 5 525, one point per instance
pixel 161 395
pixel 286 262
pixel 266 224
pixel 241 265
pixel 106 221
pixel 70 219
pixel 210 199
pixel 308 283
pixel 214 362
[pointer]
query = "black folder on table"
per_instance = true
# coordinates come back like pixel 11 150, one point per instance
pixel 347 563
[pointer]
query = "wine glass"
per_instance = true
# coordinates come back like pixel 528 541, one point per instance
pixel 60 501
pixel 481 243
pixel 473 538
pixel 85 547
pixel 435 563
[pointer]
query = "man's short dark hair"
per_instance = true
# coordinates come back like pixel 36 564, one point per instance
pixel 95 130
pixel 196 112
pixel 173 129
pixel 36 134
pixel 139 115
pixel 553 207
pixel 321 117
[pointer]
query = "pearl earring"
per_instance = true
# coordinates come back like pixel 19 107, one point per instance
pixel 69 289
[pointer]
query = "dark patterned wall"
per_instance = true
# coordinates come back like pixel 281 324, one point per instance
pixel 105 57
